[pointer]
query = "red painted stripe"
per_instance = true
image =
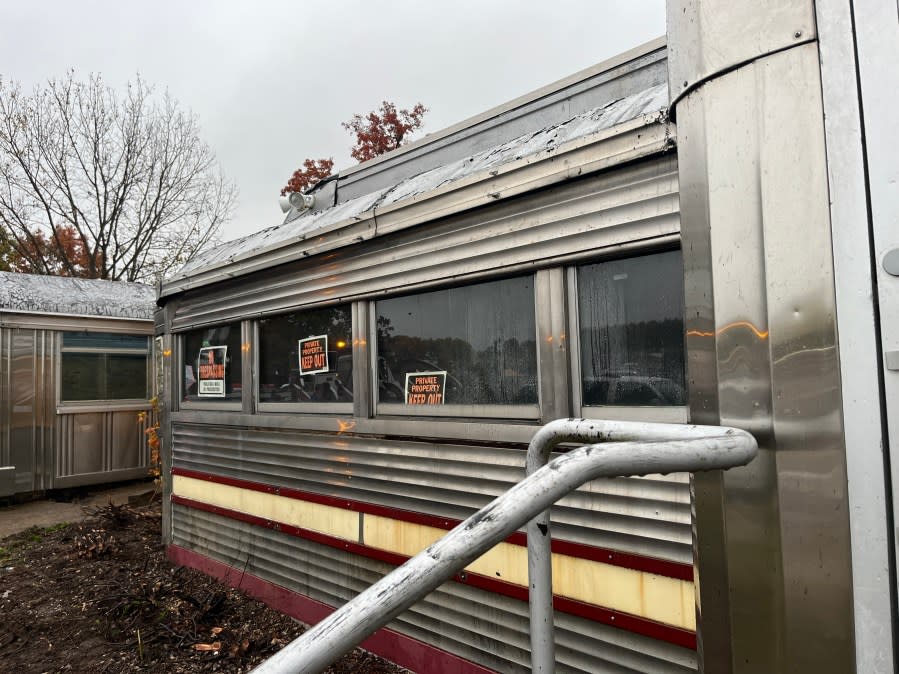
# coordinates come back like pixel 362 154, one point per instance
pixel 626 621
pixel 399 648
pixel 654 565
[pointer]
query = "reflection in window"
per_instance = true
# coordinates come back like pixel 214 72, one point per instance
pixel 632 331
pixel 103 366
pixel 482 336
pixel 307 356
pixel 219 345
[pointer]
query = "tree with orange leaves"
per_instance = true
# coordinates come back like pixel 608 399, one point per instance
pixel 383 130
pixel 61 252
pixel 377 132
pixel 313 172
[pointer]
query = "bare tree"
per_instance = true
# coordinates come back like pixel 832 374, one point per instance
pixel 102 186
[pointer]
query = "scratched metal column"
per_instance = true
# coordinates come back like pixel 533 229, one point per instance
pixel 771 541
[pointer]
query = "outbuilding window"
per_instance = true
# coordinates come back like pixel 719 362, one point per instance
pixel 103 366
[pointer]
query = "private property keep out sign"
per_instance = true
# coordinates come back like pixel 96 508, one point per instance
pixel 314 354
pixel 425 388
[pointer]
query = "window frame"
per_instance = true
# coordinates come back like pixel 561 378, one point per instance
pixel 339 408
pixel 110 404
pixel 521 412
pixel 208 405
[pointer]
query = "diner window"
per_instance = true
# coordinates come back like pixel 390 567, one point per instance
pixel 632 331
pixel 212 363
pixel 471 345
pixel 104 366
pixel 307 357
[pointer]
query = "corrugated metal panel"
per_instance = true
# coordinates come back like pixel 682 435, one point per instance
pixel 5 383
pixel 648 516
pixel 28 374
pixel 98 446
pixel 485 628
pixel 634 203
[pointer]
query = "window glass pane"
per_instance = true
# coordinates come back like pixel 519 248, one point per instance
pixel 482 336
pixel 307 356
pixel 103 376
pixel 220 378
pixel 632 331
pixel 82 376
pixel 126 376
pixel 104 340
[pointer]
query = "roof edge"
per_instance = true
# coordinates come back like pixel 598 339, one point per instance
pixel 583 156
pixel 657 44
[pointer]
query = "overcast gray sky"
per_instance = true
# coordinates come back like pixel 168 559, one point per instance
pixel 272 80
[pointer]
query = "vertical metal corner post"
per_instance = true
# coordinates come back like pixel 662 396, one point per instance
pixel 858 45
pixel 166 399
pixel 249 357
pixel 771 542
pixel 553 344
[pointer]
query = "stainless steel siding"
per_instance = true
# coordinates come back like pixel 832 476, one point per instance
pixel 632 203
pixel 773 548
pixel 101 445
pixel 489 629
pixel 26 405
pixel 52 449
pixel 648 516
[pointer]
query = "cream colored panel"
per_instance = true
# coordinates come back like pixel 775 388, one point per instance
pixel 504 562
pixel 663 598
pixel 402 537
pixel 666 600
pixel 326 519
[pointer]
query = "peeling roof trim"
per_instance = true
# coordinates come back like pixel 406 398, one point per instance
pixel 643 136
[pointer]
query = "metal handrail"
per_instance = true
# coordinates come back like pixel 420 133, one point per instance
pixel 666 449
pixel 540 595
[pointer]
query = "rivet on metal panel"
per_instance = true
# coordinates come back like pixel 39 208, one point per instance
pixel 797 34
pixel 891 262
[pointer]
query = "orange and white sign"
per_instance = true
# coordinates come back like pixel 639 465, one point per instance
pixel 314 354
pixel 211 371
pixel 425 388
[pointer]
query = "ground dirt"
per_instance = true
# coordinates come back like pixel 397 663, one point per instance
pixel 100 596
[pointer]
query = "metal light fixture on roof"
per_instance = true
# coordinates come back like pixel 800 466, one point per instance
pixel 296 200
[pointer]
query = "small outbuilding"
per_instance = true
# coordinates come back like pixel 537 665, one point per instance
pixel 75 374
